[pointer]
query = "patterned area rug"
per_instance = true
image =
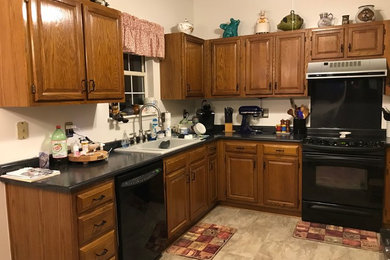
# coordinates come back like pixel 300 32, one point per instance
pixel 202 241
pixel 338 235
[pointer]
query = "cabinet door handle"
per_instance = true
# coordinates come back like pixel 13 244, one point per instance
pixel 188 178
pixel 193 176
pixel 279 150
pixel 270 86
pixel 102 253
pixel 237 87
pixel 349 47
pixel 84 85
pixel 342 48
pixel 264 165
pixel 92 85
pixel 99 198
pixel 100 224
pixel 276 85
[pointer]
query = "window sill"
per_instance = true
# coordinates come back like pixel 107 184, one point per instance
pixel 144 115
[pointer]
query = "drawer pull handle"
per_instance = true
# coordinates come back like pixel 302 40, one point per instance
pixel 240 148
pixel 102 253
pixel 279 150
pixel 193 176
pixel 99 198
pixel 100 224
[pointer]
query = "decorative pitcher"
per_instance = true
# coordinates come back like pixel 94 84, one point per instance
pixel 185 27
pixel 326 19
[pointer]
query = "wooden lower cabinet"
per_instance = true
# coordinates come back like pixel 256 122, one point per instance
pixel 386 206
pixel 177 197
pixel 47 224
pixel 212 180
pixel 186 183
pixel 241 177
pixel 280 178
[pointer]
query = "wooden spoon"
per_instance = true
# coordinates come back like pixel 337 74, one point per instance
pixel 291 112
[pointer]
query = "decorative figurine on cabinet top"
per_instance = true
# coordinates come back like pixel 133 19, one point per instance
pixel 262 25
pixel 102 2
pixel 185 27
pixel 230 30
pixel 291 22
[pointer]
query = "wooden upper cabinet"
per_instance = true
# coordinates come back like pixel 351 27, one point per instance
pixel 259 54
pixel 58 50
pixel 194 66
pixel 103 45
pixel 182 69
pixel 225 67
pixel 289 63
pixel 365 40
pixel 327 44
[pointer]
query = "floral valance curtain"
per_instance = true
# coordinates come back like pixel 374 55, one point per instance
pixel 142 37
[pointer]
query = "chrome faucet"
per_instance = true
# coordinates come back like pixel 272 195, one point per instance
pixel 141 132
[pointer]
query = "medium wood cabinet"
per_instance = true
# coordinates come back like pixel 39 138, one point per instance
pixel 289 64
pixel 182 69
pixel 226 67
pixel 67 226
pixel 281 181
pixel 186 185
pixel 212 174
pixel 72 53
pixel 241 172
pixel 348 41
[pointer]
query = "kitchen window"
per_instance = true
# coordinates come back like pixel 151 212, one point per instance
pixel 135 80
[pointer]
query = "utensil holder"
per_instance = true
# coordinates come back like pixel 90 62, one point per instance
pixel 299 127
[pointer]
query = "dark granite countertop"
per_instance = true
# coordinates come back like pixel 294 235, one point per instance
pixel 76 176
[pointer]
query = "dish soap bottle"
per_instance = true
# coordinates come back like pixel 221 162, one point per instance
pixel 59 148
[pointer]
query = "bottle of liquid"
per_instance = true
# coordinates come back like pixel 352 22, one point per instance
pixel 125 140
pixel 59 148
pixel 154 128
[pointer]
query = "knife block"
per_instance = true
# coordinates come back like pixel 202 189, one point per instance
pixel 228 127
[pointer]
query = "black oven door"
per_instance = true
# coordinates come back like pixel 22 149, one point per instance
pixel 343 189
pixel 351 180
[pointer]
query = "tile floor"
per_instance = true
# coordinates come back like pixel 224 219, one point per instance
pixel 263 235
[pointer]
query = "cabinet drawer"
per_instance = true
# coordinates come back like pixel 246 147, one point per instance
pixel 212 149
pixel 95 196
pixel 96 223
pixel 174 163
pixel 197 154
pixel 281 149
pixel 241 147
pixel 100 249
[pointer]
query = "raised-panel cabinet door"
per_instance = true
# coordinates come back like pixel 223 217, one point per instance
pixel 193 49
pixel 259 63
pixel 241 177
pixel 212 180
pixel 225 67
pixel 281 180
pixel 103 46
pixel 365 40
pixel 198 189
pixel 177 194
pixel 327 44
pixel 58 50
pixel 290 63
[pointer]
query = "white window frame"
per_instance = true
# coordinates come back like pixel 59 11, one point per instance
pixel 139 74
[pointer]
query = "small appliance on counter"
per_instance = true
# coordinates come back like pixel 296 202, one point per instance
pixel 247 112
pixel 206 116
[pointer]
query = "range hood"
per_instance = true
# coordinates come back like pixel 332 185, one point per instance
pixel 347 69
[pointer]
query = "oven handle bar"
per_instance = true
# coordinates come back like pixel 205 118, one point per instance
pixel 339 210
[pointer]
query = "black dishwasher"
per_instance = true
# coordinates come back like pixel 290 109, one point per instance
pixel 141 212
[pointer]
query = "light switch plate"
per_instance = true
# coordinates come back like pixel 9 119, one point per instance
pixel 22 130
pixel 265 113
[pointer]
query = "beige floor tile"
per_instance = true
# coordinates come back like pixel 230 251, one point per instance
pixel 262 235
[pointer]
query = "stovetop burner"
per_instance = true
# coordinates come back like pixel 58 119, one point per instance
pixel 344 142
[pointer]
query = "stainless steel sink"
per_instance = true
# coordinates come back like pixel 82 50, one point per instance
pixel 153 146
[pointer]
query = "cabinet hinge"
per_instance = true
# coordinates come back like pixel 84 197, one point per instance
pixel 33 89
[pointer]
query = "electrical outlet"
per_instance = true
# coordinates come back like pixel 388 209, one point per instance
pixel 265 113
pixel 69 129
pixel 22 130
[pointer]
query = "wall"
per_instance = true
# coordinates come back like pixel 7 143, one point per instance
pixel 90 119
pixel 210 14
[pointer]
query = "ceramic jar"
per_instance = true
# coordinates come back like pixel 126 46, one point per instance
pixel 185 27
pixel 366 13
pixel 262 25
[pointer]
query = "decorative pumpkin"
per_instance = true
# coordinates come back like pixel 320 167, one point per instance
pixel 230 30
pixel 291 22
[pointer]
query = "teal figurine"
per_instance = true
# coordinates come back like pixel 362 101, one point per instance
pixel 230 30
